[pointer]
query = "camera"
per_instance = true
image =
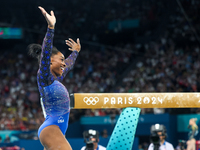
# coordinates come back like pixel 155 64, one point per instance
pixel 154 137
pixel 182 144
pixel 90 137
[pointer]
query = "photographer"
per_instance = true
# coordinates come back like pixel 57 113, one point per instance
pixel 91 138
pixel 157 138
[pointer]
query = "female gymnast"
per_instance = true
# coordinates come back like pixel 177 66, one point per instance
pixel 54 96
pixel 191 143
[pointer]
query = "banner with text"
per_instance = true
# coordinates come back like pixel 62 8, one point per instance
pixel 140 100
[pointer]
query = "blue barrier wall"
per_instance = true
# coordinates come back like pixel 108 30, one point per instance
pixel 76 144
pixel 182 124
pixel 4 133
pixel 31 144
pixel 144 124
pixel 74 130
pixel 183 121
pixel 176 128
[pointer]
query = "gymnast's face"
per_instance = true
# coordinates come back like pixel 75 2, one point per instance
pixel 191 122
pixel 57 64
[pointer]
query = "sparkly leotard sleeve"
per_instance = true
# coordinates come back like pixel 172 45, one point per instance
pixel 54 95
pixel 44 76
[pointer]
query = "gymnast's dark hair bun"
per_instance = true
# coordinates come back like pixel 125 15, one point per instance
pixel 35 50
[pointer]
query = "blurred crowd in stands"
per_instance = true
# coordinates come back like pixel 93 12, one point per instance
pixel 168 64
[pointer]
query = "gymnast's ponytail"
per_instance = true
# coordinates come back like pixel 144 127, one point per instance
pixel 35 50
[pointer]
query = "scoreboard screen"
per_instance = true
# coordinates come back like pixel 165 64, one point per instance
pixel 10 33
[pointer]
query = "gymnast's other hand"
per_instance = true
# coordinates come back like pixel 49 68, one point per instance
pixel 50 18
pixel 74 46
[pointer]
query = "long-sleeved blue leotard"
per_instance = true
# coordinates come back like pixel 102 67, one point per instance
pixel 55 97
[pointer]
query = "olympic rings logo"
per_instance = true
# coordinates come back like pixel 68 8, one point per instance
pixel 91 100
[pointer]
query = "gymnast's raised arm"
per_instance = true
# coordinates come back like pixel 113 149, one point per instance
pixel 44 63
pixel 75 47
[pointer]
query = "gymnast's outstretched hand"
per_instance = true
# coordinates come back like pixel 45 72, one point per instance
pixel 50 18
pixel 74 46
